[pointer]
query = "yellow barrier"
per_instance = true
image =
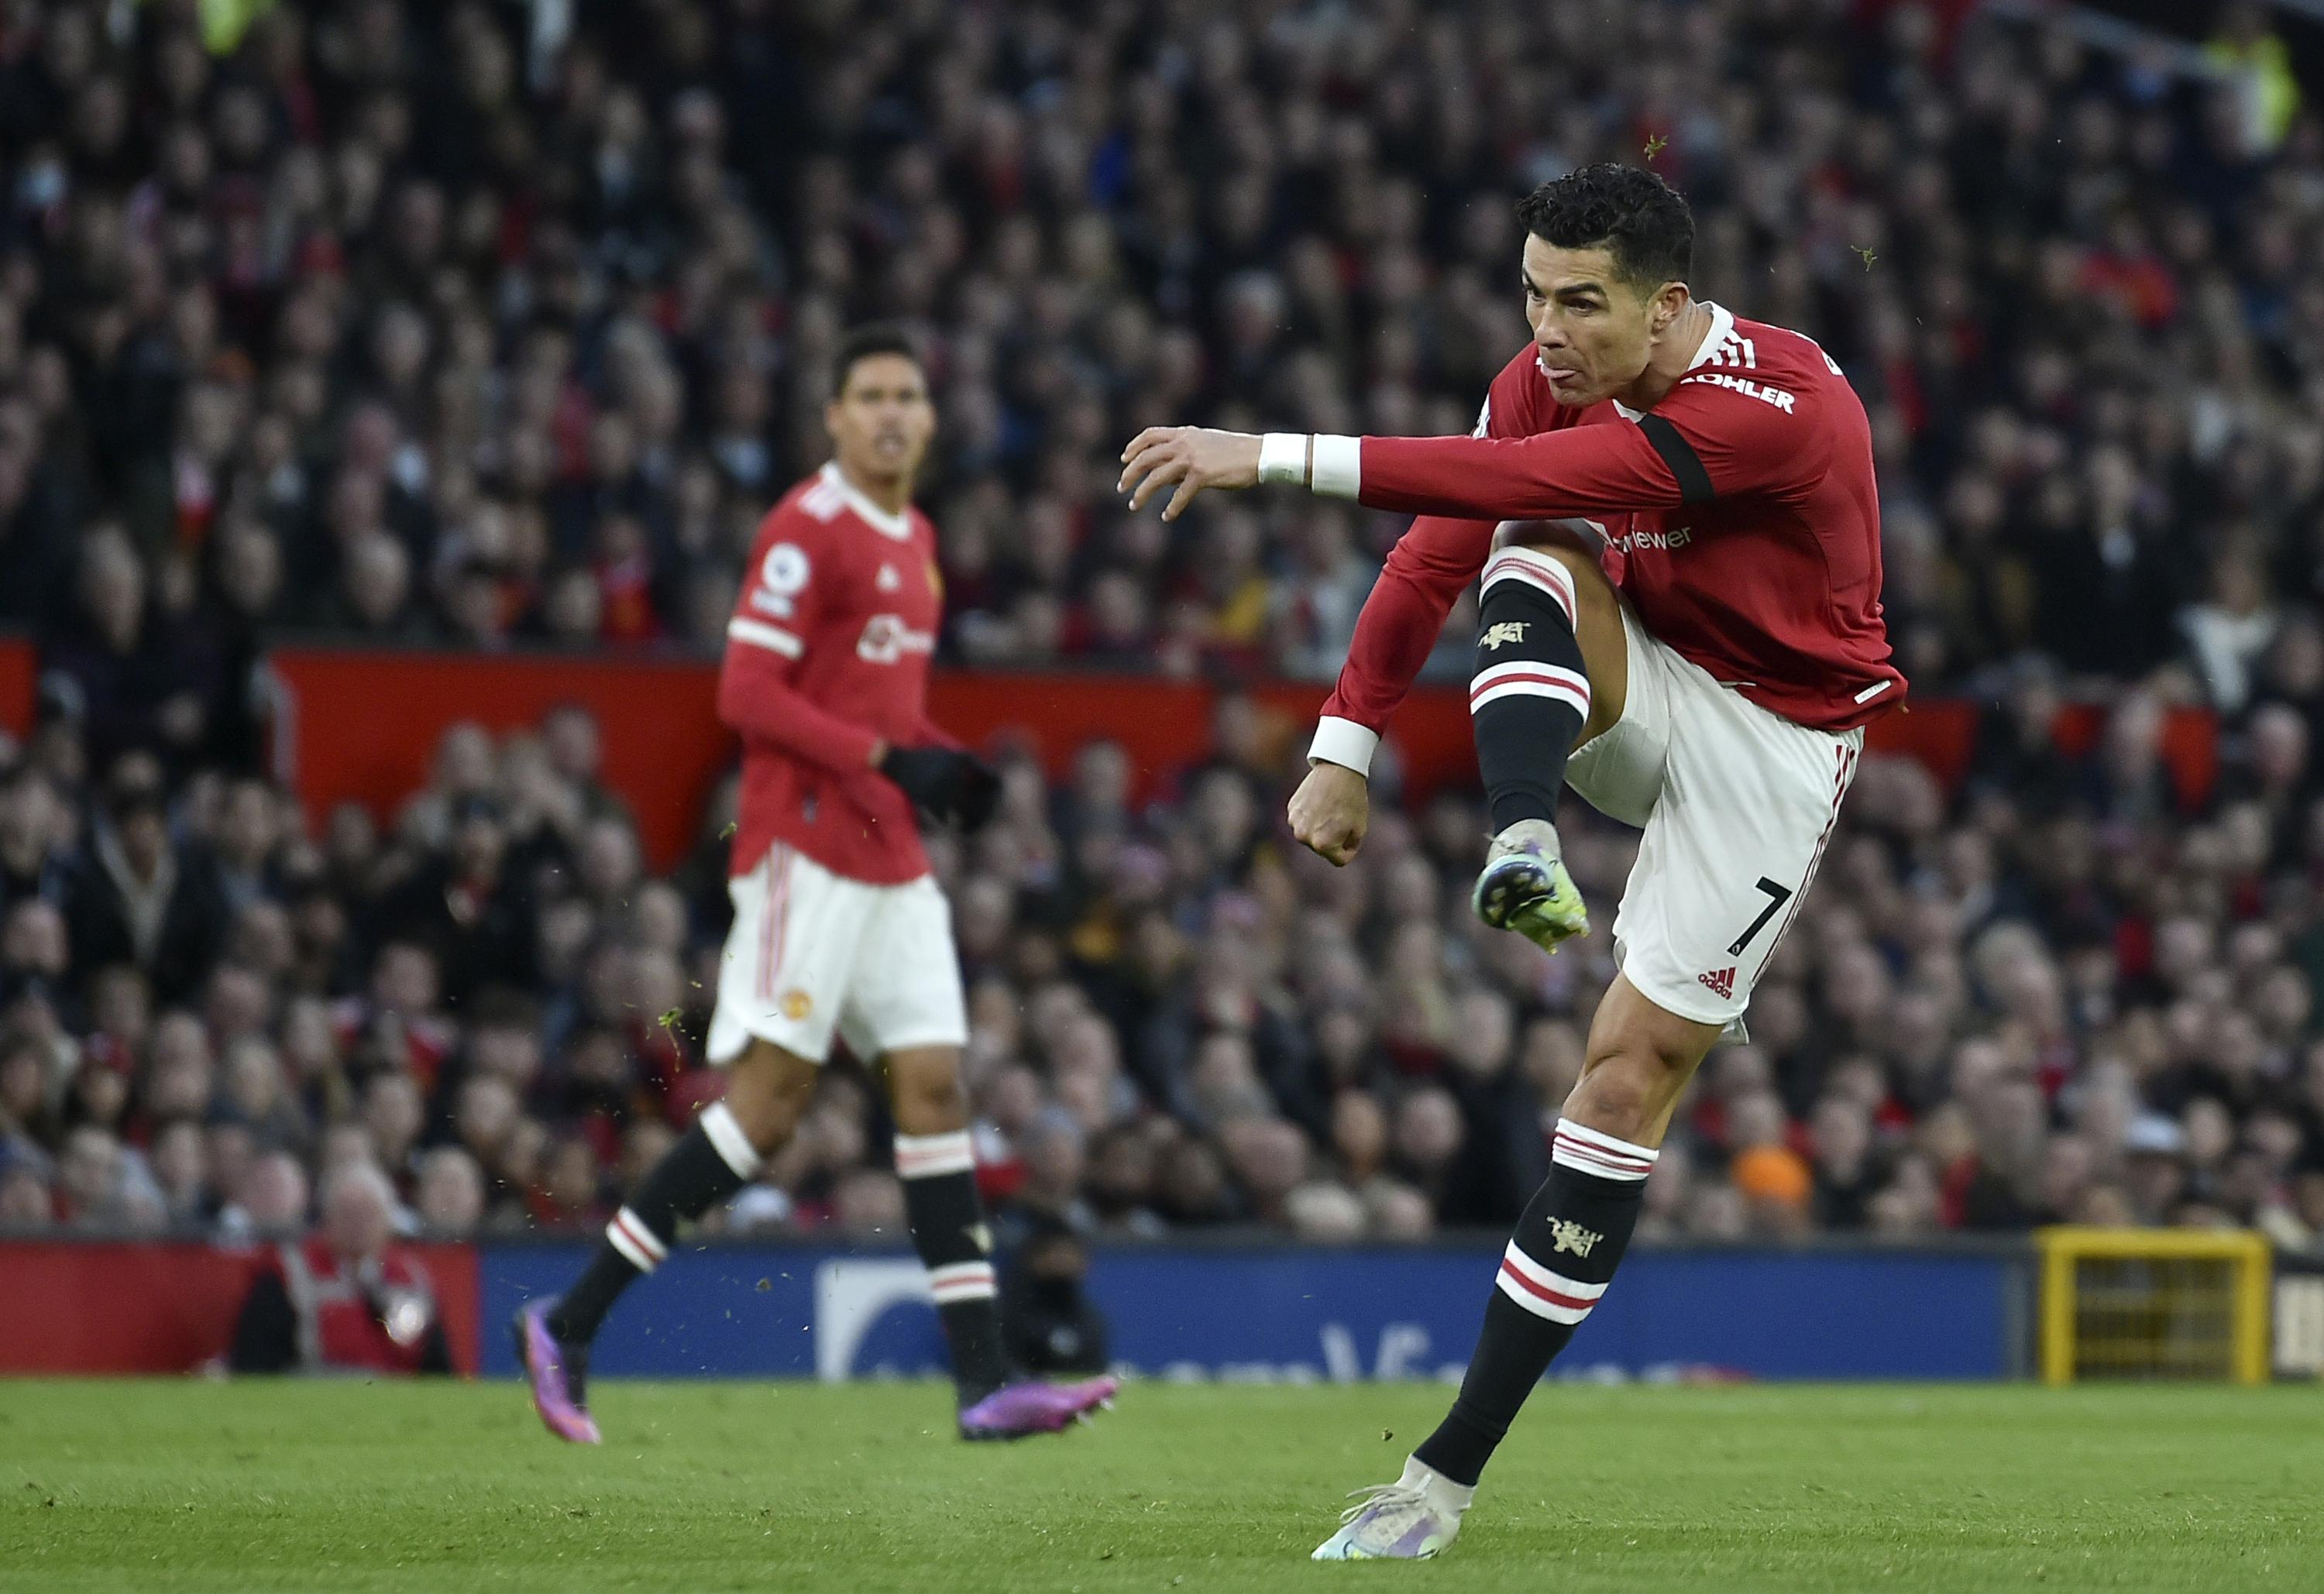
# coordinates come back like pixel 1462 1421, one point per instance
pixel 2154 1303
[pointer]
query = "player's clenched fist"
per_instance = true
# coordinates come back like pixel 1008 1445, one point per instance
pixel 1331 811
pixel 1191 458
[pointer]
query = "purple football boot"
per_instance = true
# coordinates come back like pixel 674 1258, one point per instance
pixel 1016 1410
pixel 557 1372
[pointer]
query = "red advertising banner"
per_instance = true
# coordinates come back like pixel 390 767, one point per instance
pixel 166 1307
pixel 19 678
pixel 363 726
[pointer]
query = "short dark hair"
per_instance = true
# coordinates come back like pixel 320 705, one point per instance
pixel 1632 213
pixel 862 344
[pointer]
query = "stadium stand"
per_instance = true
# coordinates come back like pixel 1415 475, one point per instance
pixel 436 323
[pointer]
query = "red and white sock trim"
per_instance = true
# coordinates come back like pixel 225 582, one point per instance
pixel 1585 1151
pixel 1534 569
pixel 728 1141
pixel 960 1281
pixel 629 1235
pixel 924 1157
pixel 1543 1293
pixel 1526 678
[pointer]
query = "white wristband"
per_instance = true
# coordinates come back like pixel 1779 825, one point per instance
pixel 1345 743
pixel 1338 468
pixel 1283 459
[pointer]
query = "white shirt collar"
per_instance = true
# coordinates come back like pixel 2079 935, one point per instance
pixel 899 526
pixel 1723 327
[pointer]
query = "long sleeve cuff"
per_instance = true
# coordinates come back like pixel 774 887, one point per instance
pixel 1339 470
pixel 1328 465
pixel 1343 742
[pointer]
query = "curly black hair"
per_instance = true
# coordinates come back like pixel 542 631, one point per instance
pixel 1635 214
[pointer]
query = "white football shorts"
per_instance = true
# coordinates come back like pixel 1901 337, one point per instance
pixel 813 952
pixel 1737 804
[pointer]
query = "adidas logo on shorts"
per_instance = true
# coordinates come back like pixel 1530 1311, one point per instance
pixel 1722 984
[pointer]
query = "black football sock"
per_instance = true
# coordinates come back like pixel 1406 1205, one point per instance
pixel 712 1162
pixel 948 1228
pixel 1564 1252
pixel 1530 695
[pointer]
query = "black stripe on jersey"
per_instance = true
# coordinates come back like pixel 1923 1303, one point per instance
pixel 1693 481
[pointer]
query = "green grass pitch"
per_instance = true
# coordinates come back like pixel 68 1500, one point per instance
pixel 703 1488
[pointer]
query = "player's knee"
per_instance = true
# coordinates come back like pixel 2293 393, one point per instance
pixel 1624 1091
pixel 1572 545
pixel 768 1095
pixel 927 1089
pixel 1560 540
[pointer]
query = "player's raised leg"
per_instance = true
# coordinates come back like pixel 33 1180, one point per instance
pixel 938 1164
pixel 1552 672
pixel 768 1090
pixel 1556 1267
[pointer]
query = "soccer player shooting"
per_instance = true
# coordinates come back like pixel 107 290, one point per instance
pixel 839 928
pixel 1684 625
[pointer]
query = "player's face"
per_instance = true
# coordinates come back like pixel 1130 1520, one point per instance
pixel 1593 329
pixel 882 421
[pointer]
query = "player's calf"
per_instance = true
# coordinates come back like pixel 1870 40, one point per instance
pixel 955 1246
pixel 1530 701
pixel 1529 694
pixel 1555 1268
pixel 711 1162
pixel 717 1157
pixel 938 1164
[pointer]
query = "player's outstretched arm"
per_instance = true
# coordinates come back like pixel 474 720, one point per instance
pixel 1550 475
pixel 1581 470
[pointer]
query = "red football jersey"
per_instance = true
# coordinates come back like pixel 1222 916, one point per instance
pixel 339 1326
pixel 1740 516
pixel 828 651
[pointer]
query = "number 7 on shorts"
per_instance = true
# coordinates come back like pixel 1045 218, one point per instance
pixel 1776 897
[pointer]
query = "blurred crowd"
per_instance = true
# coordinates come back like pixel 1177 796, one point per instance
pixel 487 324
pixel 2069 992
pixel 490 325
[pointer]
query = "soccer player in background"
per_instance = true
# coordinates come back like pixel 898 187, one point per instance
pixel 839 928
pixel 1693 640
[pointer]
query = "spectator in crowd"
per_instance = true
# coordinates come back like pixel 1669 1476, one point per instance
pixel 1052 1326
pixel 140 900
pixel 346 1299
pixel 449 1196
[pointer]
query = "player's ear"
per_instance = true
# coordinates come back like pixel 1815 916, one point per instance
pixel 1670 303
